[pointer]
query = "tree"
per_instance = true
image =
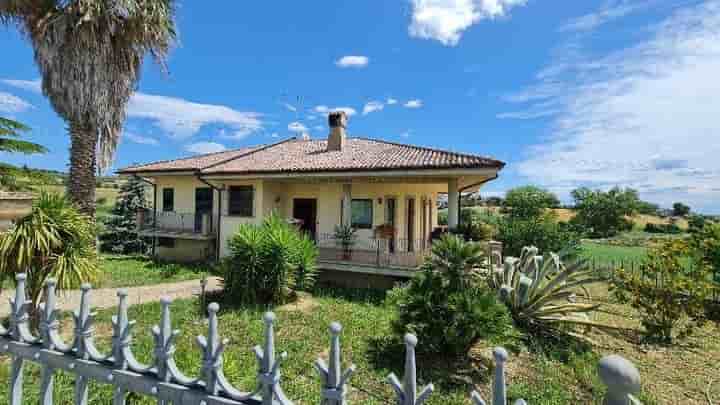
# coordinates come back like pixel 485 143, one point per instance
pixel 121 235
pixel 680 209
pixel 529 202
pixel 602 213
pixel 10 131
pixel 89 54
pixel 647 208
pixel 55 240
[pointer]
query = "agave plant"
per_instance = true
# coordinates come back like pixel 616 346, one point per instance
pixel 546 295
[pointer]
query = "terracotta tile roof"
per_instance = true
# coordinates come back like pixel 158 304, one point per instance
pixel 358 154
pixel 190 163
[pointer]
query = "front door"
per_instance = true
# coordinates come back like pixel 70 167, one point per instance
pixel 203 205
pixel 305 211
pixel 390 220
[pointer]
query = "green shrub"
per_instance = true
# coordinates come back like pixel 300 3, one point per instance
pixel 603 214
pixel 268 263
pixel 696 223
pixel 529 202
pixel 544 233
pixel 54 240
pixel 662 228
pixel 669 294
pixel 445 306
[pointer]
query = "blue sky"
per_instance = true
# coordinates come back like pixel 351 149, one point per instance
pixel 568 93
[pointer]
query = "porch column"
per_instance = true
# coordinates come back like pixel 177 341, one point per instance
pixel 453 202
pixel 347 204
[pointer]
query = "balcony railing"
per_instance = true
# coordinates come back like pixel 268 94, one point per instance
pixel 401 253
pixel 171 222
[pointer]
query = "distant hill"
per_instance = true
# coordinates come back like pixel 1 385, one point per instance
pixel 24 178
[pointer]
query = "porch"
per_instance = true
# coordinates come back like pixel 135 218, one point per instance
pixel 175 225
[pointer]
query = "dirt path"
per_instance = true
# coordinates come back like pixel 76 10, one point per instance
pixel 107 297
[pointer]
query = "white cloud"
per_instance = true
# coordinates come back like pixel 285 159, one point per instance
pixel 181 118
pixel 34 86
pixel 446 20
pixel 12 104
pixel 323 109
pixel 643 117
pixel 143 140
pixel 205 147
pixel 611 10
pixel 372 106
pixel 352 61
pixel 414 104
pixel 391 101
pixel 290 107
pixel 297 127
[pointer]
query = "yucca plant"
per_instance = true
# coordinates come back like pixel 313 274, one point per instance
pixel 54 240
pixel 545 295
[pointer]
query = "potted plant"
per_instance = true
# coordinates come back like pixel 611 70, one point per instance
pixel 345 237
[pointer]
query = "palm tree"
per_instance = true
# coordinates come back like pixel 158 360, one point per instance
pixel 89 53
pixel 9 132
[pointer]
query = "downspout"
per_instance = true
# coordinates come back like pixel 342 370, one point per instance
pixel 219 220
pixel 154 186
pixel 469 186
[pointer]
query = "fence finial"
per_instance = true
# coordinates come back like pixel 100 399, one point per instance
pixel 333 381
pixel 19 318
pixel 213 349
pixel 622 379
pixel 407 390
pixel 269 372
pixel 499 386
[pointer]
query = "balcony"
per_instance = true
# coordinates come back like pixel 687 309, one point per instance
pixel 395 257
pixel 169 224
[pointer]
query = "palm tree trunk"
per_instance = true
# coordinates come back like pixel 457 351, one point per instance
pixel 81 185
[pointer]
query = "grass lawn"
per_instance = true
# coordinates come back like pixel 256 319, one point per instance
pixel 677 375
pixel 603 254
pixel 129 271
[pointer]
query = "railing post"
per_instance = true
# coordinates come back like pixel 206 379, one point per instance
pixel 20 332
pixel 499 384
pixel 269 373
pixel 48 325
pixel 622 379
pixel 333 380
pixel 407 390
pixel 205 224
pixel 212 352
pixel 83 333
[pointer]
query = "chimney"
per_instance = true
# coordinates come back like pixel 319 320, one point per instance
pixel 337 121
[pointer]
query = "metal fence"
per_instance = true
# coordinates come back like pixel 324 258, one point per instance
pixel 163 380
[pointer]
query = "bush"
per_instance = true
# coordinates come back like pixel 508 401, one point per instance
pixel 544 233
pixel 54 240
pixel 529 202
pixel 445 305
pixel 669 294
pixel 476 231
pixel 663 228
pixel 268 263
pixel 696 223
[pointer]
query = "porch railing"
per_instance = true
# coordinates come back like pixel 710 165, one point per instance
pixel 407 253
pixel 164 381
pixel 175 222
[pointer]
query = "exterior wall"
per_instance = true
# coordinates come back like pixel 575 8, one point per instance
pixel 229 223
pixel 186 251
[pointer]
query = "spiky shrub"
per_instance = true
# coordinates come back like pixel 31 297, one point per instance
pixel 54 240
pixel 268 263
pixel 445 305
pixel 544 295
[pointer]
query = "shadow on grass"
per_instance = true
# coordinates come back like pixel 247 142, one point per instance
pixel 362 295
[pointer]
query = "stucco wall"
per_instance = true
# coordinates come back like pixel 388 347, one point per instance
pixel 186 251
pixel 231 223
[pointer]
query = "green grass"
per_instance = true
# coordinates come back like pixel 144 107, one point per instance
pixel 367 342
pixel 130 271
pixel 603 254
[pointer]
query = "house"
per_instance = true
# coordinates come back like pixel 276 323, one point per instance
pixel 387 191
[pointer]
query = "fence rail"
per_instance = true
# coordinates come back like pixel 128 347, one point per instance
pixel 164 381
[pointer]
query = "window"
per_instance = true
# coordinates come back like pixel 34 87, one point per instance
pixel 166 242
pixel 362 214
pixel 240 201
pixel 168 199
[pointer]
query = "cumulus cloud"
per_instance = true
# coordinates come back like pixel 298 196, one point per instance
pixel 205 147
pixel 323 109
pixel 181 118
pixel 446 20
pixel 297 127
pixel 143 140
pixel 644 116
pixel 414 104
pixel 10 103
pixel 391 101
pixel 373 106
pixel 352 61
